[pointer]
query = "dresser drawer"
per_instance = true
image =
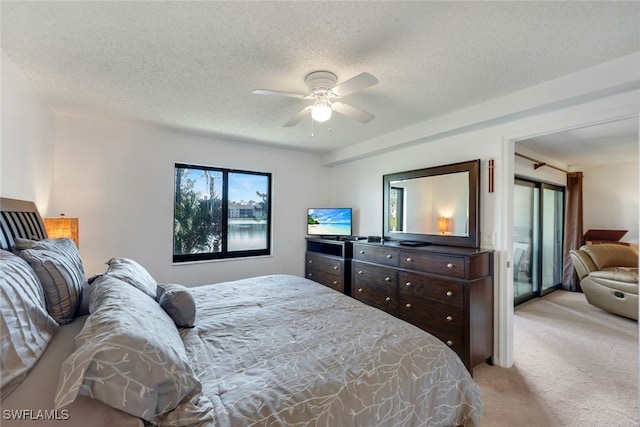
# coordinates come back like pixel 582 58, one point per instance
pixel 381 297
pixel 456 342
pixel 437 316
pixel 446 265
pixel 431 288
pixel 375 275
pixel 329 280
pixel 377 254
pixel 453 339
pixel 328 264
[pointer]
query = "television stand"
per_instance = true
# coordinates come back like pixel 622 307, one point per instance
pixel 328 261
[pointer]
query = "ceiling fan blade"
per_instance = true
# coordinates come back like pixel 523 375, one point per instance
pixel 353 112
pixel 354 84
pixel 301 115
pixel 281 93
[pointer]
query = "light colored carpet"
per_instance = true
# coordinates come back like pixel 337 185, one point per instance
pixel 574 365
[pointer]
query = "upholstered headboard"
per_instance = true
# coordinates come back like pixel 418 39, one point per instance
pixel 19 218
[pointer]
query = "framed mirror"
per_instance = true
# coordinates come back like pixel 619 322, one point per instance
pixel 437 205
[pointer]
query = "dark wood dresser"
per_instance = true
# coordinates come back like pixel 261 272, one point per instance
pixel 446 291
pixel 329 262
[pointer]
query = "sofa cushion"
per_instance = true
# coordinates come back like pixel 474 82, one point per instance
pixel 609 255
pixel 627 280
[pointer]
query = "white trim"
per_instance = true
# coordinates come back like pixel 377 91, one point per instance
pixel 505 259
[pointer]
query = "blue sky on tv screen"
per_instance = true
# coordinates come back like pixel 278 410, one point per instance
pixel 330 221
pixel 331 216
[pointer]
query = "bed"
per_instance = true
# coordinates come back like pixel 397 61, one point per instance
pixel 276 350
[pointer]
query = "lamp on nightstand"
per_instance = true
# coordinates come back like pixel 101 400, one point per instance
pixel 62 226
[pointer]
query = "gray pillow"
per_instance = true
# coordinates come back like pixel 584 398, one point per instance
pixel 128 355
pixel 179 304
pixel 129 271
pixel 59 268
pixel 25 325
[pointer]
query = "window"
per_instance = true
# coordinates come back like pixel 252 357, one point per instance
pixel 220 213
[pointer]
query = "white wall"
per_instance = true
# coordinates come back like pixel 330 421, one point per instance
pixel 118 180
pixel 611 198
pixel 26 145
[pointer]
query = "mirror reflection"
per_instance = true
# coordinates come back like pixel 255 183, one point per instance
pixel 437 205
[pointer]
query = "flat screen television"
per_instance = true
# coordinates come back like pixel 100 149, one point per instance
pixel 329 222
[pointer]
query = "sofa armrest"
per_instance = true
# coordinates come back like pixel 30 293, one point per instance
pixel 582 263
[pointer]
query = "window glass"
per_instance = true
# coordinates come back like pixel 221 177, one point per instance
pixel 247 225
pixel 220 213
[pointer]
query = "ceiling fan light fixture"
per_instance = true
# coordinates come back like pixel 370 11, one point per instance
pixel 321 111
pixel 325 95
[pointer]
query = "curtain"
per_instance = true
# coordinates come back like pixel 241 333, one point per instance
pixel 572 230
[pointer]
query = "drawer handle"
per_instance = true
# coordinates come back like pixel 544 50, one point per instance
pixel 362 252
pixel 335 267
pixel 449 318
pixel 408 305
pixel 360 272
pixel 389 256
pixel 310 274
pixel 449 343
pixel 449 293
pixel 409 284
pixel 387 299
pixel 388 279
pixel 409 259
pixel 360 290
pixel 450 265
pixel 310 261
pixel 335 282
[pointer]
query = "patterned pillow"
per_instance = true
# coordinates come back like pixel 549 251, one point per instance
pixel 59 268
pixel 178 302
pixel 25 326
pixel 129 271
pixel 128 355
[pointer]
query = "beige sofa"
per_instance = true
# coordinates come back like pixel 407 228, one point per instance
pixel 609 277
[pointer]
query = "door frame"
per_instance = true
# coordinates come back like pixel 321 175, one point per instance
pixel 600 111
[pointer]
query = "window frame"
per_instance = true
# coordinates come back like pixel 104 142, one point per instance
pixel 224 252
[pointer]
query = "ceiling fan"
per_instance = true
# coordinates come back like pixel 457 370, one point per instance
pixel 324 92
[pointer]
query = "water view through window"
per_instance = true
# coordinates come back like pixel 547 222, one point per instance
pixel 220 213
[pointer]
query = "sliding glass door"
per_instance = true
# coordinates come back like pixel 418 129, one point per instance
pixel 537 239
pixel 552 231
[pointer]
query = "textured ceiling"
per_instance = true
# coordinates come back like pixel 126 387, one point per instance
pixel 605 143
pixel 193 65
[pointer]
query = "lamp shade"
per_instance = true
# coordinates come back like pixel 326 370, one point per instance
pixel 443 224
pixel 62 227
